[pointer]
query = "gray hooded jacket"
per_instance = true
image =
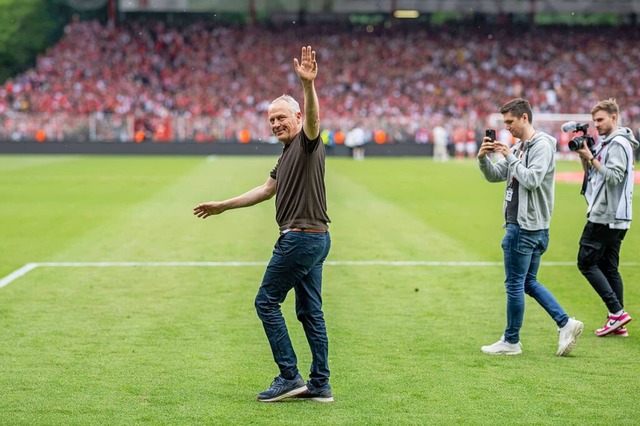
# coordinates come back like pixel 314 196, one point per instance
pixel 533 164
pixel 609 190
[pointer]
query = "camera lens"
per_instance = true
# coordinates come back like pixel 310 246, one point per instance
pixel 575 143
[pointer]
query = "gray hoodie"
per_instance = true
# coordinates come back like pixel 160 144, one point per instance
pixel 609 190
pixel 533 164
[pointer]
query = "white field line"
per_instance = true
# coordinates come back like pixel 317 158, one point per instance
pixel 17 274
pixel 31 266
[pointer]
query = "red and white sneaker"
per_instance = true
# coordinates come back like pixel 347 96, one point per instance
pixel 621 332
pixel 613 323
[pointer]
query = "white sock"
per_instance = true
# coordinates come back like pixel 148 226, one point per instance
pixel 617 314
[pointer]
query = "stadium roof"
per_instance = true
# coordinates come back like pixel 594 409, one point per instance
pixel 383 6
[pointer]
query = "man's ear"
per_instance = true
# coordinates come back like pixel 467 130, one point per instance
pixel 298 116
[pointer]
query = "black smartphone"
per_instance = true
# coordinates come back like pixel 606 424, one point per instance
pixel 490 133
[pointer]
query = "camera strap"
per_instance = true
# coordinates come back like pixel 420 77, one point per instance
pixel 591 169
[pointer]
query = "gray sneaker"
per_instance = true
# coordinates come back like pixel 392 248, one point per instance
pixel 313 393
pixel 282 388
pixel 569 336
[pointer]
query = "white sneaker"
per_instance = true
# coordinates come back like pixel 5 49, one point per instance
pixel 568 336
pixel 503 348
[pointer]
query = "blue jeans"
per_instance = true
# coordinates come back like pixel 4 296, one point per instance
pixel 522 252
pixel 296 263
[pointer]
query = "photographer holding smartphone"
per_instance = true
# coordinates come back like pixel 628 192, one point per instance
pixel 608 190
pixel 529 170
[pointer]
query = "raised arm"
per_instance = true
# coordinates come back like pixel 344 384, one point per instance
pixel 250 198
pixel 307 70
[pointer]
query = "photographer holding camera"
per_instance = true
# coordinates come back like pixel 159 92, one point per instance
pixel 608 190
pixel 529 170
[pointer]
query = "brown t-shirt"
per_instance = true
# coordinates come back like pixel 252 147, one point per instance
pixel 301 200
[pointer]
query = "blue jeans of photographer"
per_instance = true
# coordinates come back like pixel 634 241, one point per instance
pixel 296 263
pixel 522 252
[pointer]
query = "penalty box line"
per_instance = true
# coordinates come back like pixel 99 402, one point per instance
pixel 22 271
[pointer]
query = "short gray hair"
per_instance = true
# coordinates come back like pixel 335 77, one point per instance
pixel 295 106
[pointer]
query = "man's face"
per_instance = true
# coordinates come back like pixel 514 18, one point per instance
pixel 285 124
pixel 514 124
pixel 604 122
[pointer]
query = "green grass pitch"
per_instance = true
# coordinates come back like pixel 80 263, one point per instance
pixel 179 343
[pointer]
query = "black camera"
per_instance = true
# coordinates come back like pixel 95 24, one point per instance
pixel 577 142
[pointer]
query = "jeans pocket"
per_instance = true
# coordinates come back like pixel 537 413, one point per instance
pixel 527 242
pixel 287 244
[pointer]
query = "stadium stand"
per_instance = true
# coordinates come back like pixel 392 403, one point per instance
pixel 206 82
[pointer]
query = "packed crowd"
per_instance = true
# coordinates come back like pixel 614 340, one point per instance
pixel 207 82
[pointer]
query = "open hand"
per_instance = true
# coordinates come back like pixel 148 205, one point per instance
pixel 204 210
pixel 307 68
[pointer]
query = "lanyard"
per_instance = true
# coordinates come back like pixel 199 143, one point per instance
pixel 521 153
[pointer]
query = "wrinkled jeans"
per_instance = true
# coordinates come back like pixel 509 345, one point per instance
pixel 296 263
pixel 522 252
pixel 598 260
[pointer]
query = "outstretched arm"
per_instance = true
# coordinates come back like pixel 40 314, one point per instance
pixel 307 70
pixel 255 196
